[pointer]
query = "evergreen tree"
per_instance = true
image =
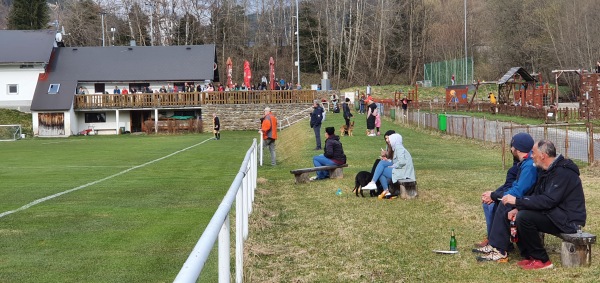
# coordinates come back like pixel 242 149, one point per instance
pixel 28 15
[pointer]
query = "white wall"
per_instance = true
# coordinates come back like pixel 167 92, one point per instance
pixel 26 79
pixel 110 127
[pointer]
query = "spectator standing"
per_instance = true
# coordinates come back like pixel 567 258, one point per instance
pixel 269 133
pixel 316 118
pixel 452 80
pixel 556 205
pixel 216 126
pixel 404 102
pixel 116 90
pixel 361 110
pixel 371 109
pixel 347 113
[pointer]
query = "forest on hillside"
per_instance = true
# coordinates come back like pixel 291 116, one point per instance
pixel 358 42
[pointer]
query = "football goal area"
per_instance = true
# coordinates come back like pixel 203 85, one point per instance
pixel 10 132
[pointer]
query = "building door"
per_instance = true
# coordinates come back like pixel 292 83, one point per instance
pixel 138 118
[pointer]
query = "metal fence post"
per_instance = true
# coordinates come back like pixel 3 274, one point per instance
pixel 224 248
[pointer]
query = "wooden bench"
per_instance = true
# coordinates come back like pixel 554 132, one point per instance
pixel 335 172
pixel 406 188
pixel 576 248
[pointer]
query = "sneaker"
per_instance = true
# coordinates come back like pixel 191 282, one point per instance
pixel 524 262
pixel 494 255
pixel 370 186
pixel 313 178
pixel 371 135
pixel 483 243
pixel 538 264
pixel 484 250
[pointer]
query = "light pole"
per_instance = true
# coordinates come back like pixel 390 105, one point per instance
pixel 151 4
pixel 102 16
pixel 297 43
pixel 466 54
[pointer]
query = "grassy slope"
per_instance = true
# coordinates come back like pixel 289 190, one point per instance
pixel 305 233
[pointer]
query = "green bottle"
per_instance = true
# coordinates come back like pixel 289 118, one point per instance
pixel 452 241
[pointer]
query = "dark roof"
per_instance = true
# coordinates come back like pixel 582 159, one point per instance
pixel 516 70
pixel 26 46
pixel 121 64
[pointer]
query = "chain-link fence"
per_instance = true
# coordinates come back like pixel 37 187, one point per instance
pixel 440 73
pixel 575 141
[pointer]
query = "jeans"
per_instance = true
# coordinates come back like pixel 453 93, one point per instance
pixel 488 212
pixel 317 130
pixel 499 235
pixel 321 160
pixel 383 172
pixel 271 145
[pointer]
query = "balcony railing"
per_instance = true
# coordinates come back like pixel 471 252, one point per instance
pixel 190 99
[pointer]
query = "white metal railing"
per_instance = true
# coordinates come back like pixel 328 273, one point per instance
pixel 242 192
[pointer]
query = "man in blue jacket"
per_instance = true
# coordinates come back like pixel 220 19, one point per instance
pixel 316 118
pixel 555 205
pixel 499 236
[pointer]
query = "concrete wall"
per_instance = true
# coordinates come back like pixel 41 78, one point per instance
pixel 247 116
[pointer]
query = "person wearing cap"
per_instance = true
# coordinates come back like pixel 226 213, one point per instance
pixel 269 132
pixel 555 205
pixel 499 237
pixel 316 118
pixel 332 155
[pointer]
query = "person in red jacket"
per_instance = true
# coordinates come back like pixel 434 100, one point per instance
pixel 269 132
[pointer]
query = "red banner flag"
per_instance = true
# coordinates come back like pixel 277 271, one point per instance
pixel 247 74
pixel 272 73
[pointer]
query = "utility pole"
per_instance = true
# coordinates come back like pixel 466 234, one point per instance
pixel 102 16
pixel 297 42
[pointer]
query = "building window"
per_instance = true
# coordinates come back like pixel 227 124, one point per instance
pixel 99 88
pixel 53 89
pixel 13 89
pixel 95 117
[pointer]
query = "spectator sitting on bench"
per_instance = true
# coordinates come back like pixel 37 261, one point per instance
pixel 386 157
pixel 402 167
pixel 499 236
pixel 333 155
pixel 555 205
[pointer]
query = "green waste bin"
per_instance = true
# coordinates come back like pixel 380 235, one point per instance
pixel 357 105
pixel 393 114
pixel 122 130
pixel 442 122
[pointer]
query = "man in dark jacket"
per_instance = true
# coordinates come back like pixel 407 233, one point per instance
pixel 333 155
pixel 316 117
pixel 556 204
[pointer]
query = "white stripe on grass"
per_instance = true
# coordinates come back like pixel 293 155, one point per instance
pixel 97 181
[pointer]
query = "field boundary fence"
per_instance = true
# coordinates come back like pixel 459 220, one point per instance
pixel 241 192
pixel 573 140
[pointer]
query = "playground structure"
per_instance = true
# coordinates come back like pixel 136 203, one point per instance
pixel 589 100
pixel 517 88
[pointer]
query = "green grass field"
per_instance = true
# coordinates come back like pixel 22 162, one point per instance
pixel 134 226
pixel 140 225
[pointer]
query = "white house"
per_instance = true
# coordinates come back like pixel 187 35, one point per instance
pixel 24 55
pixel 59 111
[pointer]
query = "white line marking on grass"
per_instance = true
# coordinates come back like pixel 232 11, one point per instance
pixel 97 181
pixel 62 141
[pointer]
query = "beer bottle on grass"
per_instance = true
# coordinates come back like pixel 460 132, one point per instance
pixel 452 241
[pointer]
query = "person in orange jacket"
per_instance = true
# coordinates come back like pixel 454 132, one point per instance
pixel 269 132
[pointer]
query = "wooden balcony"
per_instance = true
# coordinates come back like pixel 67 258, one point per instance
pixel 190 99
